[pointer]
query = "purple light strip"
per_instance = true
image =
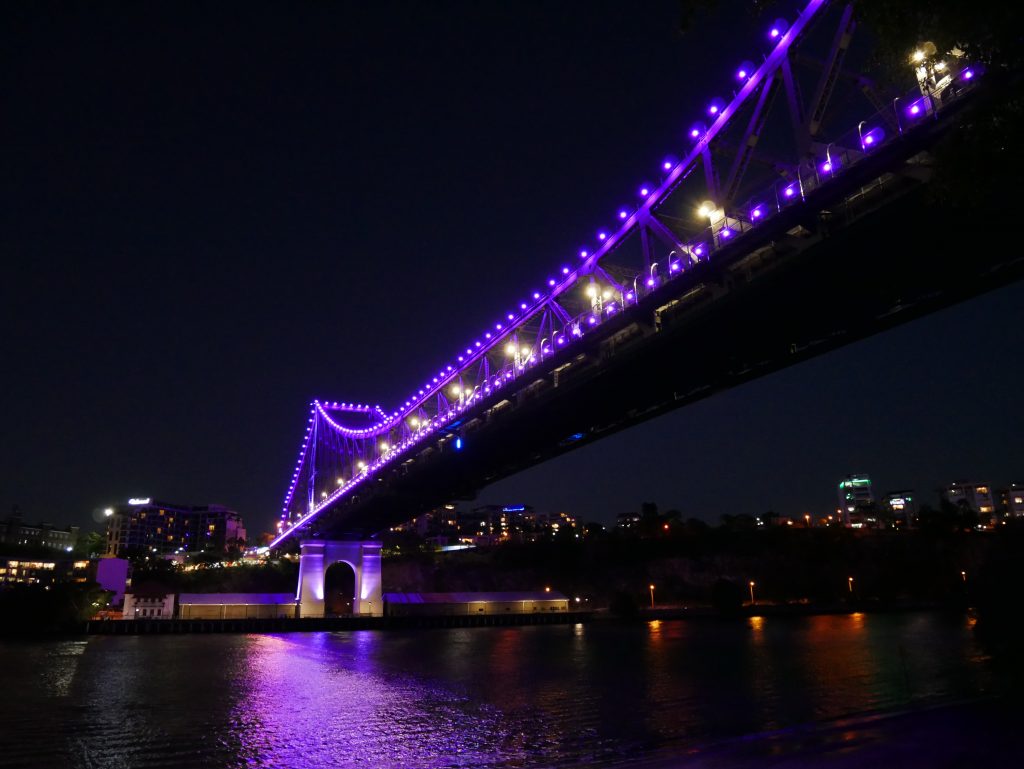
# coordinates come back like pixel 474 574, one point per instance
pixel 366 432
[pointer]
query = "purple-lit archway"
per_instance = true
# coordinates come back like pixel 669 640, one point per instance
pixel 319 555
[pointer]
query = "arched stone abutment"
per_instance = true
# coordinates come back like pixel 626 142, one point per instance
pixel 318 555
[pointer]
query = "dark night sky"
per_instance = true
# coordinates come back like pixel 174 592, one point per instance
pixel 213 213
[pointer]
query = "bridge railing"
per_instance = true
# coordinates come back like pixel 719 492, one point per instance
pixel 877 130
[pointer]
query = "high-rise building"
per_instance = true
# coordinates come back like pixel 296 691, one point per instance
pixel 856 502
pixel 147 526
pixel 1013 500
pixel 974 496
pixel 901 507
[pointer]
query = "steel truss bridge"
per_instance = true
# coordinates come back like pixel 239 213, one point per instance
pixel 814 231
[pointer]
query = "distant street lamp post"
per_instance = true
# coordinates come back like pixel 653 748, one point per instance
pixel 651 588
pixel 807 519
pixel 963 575
pixel 752 583
pixel 849 583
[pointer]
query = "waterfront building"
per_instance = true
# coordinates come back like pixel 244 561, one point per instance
pixel 901 507
pixel 974 496
pixel 449 604
pixel 16 532
pixel 856 502
pixel 237 605
pixel 149 602
pixel 148 526
pixel 42 571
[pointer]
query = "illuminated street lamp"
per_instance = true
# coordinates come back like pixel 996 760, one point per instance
pixel 963 575
pixel 849 583
pixel 651 588
pixel 752 583
pixel 708 210
pixel 807 518
pixel 547 589
pixel 108 512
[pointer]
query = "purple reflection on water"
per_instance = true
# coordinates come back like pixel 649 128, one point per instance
pixel 325 700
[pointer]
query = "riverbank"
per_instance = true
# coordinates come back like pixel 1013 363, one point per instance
pixel 791 610
pixel 304 625
pixel 315 624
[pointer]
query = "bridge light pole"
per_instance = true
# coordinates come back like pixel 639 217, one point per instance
pixel 752 583
pixel 650 277
pixel 651 588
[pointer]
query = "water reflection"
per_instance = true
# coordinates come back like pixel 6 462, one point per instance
pixel 497 697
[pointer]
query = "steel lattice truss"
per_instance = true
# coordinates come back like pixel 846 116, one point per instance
pixel 748 160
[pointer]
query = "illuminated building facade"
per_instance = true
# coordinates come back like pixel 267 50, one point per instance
pixel 146 526
pixel 901 507
pixel 1013 500
pixel 149 602
pixel 856 502
pixel 448 604
pixel 975 496
pixel 42 571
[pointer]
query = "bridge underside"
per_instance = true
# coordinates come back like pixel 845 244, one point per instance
pixel 860 264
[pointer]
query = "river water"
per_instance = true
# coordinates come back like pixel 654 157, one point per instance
pixel 598 693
